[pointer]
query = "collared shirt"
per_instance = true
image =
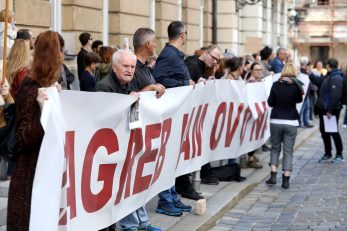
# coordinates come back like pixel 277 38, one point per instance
pixel 170 69
pixel 111 84
pixel 142 77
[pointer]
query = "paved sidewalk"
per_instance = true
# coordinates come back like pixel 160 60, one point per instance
pixel 316 199
pixel 220 198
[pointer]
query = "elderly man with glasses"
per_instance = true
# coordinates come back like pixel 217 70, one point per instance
pixel 198 66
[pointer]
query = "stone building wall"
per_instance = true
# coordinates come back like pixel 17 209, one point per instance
pixel 262 24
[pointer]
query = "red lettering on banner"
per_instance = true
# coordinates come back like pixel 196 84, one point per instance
pixel 246 118
pixel 135 145
pixel 257 124
pixel 142 182
pixel 220 111
pixel 185 143
pixel 104 137
pixel 198 129
pixel 165 134
pixel 232 129
pixel 69 176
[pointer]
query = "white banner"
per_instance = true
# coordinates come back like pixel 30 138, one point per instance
pixel 93 170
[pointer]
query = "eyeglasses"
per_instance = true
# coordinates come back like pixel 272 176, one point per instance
pixel 213 57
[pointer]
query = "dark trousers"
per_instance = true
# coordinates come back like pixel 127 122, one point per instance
pixel 183 184
pixel 326 136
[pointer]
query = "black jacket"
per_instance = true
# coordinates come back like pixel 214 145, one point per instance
pixel 283 99
pixel 330 90
pixel 81 62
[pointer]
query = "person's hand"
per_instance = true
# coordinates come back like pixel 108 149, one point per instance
pixel 58 86
pixel 201 80
pixel 4 89
pixel 191 82
pixel 41 96
pixel 160 90
pixel 135 94
pixel 211 78
pixel 329 115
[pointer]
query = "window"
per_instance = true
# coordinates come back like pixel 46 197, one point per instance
pixel 323 2
pixel 319 53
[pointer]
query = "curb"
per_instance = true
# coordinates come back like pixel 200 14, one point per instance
pixel 232 193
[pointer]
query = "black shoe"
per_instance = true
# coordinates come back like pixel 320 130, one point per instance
pixel 272 179
pixel 309 126
pixel 325 158
pixel 210 180
pixel 240 179
pixel 265 148
pixel 285 181
pixel 192 194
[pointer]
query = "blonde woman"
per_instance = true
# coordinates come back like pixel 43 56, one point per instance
pixel 17 67
pixel 284 95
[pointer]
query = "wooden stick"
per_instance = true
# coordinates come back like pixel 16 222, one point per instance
pixel 5 46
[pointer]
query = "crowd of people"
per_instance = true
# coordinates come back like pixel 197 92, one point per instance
pixel 36 63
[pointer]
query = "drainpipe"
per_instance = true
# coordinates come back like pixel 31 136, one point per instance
pixel 105 22
pixel 201 23
pixel 214 21
pixel 152 15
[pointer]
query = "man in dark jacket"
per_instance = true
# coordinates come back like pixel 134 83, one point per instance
pixel 277 63
pixel 329 104
pixel 86 42
pixel 171 71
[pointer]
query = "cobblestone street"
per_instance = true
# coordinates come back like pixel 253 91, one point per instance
pixel 316 199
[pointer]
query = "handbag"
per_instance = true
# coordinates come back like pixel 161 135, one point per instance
pixel 8 142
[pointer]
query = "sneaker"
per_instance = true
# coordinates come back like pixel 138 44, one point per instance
pixel 169 209
pixel 325 158
pixel 192 194
pixel 253 164
pixel 338 159
pixel 182 207
pixel 210 180
pixel 149 228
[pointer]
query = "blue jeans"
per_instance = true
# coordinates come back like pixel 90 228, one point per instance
pixel 305 111
pixel 168 196
pixel 345 119
pixel 136 219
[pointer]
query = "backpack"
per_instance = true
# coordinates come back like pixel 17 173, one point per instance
pixel 344 91
pixel 8 142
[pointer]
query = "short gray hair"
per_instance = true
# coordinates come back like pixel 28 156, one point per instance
pixel 280 49
pixel 141 36
pixel 303 61
pixel 116 55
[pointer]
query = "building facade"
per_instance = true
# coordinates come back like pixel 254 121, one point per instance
pixel 320 31
pixel 232 24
